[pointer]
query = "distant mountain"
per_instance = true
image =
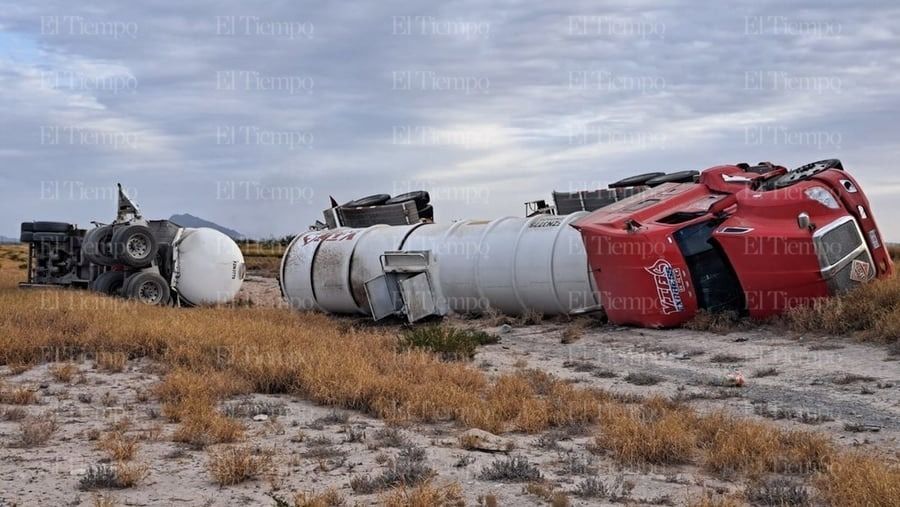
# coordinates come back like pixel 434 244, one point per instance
pixel 187 220
pixel 5 240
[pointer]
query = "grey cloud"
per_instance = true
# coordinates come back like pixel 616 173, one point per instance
pixel 550 96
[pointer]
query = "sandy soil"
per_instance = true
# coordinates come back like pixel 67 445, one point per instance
pixel 836 386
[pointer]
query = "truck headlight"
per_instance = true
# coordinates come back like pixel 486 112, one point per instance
pixel 822 196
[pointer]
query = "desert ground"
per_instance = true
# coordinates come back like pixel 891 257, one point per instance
pixel 105 403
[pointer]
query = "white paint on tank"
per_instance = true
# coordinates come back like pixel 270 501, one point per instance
pixel 511 264
pixel 210 267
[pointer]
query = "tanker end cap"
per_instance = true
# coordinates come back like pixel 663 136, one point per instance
pixel 210 267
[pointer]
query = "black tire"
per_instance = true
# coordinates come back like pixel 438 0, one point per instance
pixel 147 287
pixel 134 245
pixel 95 246
pixel 52 227
pixel 421 198
pixel 806 172
pixel 27 227
pixel 676 177
pixel 109 283
pixel 26 237
pixel 369 200
pixel 427 212
pixel 633 181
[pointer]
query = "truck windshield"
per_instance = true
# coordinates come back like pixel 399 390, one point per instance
pixel 715 282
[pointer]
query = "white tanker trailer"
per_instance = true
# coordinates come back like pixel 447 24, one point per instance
pixel 514 265
pixel 156 262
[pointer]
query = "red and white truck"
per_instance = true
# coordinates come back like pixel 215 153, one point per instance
pixel 754 240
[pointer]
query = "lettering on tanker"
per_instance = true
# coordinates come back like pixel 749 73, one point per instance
pixel 328 236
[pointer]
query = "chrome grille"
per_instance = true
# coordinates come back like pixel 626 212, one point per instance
pixel 838 243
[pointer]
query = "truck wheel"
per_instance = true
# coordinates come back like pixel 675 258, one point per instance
pixel 369 200
pixel 109 283
pixel 134 245
pixel 95 246
pixel 149 288
pixel 634 181
pixel 676 177
pixel 421 198
pixel 806 172
pixel 51 227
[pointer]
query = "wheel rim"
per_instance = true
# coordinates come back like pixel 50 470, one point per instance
pixel 138 246
pixel 150 293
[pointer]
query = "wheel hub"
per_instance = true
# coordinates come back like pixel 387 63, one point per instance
pixel 150 293
pixel 138 247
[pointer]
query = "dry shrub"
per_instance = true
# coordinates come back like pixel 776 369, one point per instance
pixel 183 390
pixel 717 322
pixel 328 498
pixel 735 446
pixel 546 492
pixel 122 475
pixel 18 396
pixel 118 446
pixel 129 475
pixel 870 311
pixel 104 501
pixel 64 372
pixel 657 432
pixel 712 500
pixel 425 495
pixel 112 362
pixel 202 425
pixel 35 431
pixel 13 414
pixel 233 465
pixel 450 343
pixel 857 480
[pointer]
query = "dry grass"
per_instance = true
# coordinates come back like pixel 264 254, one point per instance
pixel 122 475
pixel 857 480
pixel 35 431
pixel 18 396
pixel 717 322
pixel 425 495
pixel 64 372
pixel 328 498
pixel 112 361
pixel 202 425
pixel 655 433
pixel 734 446
pixel 710 500
pixel 233 465
pixel 118 446
pixel 662 433
pixel 870 312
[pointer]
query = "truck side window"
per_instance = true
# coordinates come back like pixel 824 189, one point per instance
pixel 715 282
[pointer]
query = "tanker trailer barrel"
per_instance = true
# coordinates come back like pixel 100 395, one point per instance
pixel 513 265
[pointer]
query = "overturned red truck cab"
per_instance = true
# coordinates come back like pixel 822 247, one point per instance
pixel 755 240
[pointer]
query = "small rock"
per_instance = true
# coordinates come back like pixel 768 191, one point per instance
pixel 481 440
pixel 505 329
pixel 75 472
pixel 261 417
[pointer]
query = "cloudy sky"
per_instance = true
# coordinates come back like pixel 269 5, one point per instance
pixel 252 116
